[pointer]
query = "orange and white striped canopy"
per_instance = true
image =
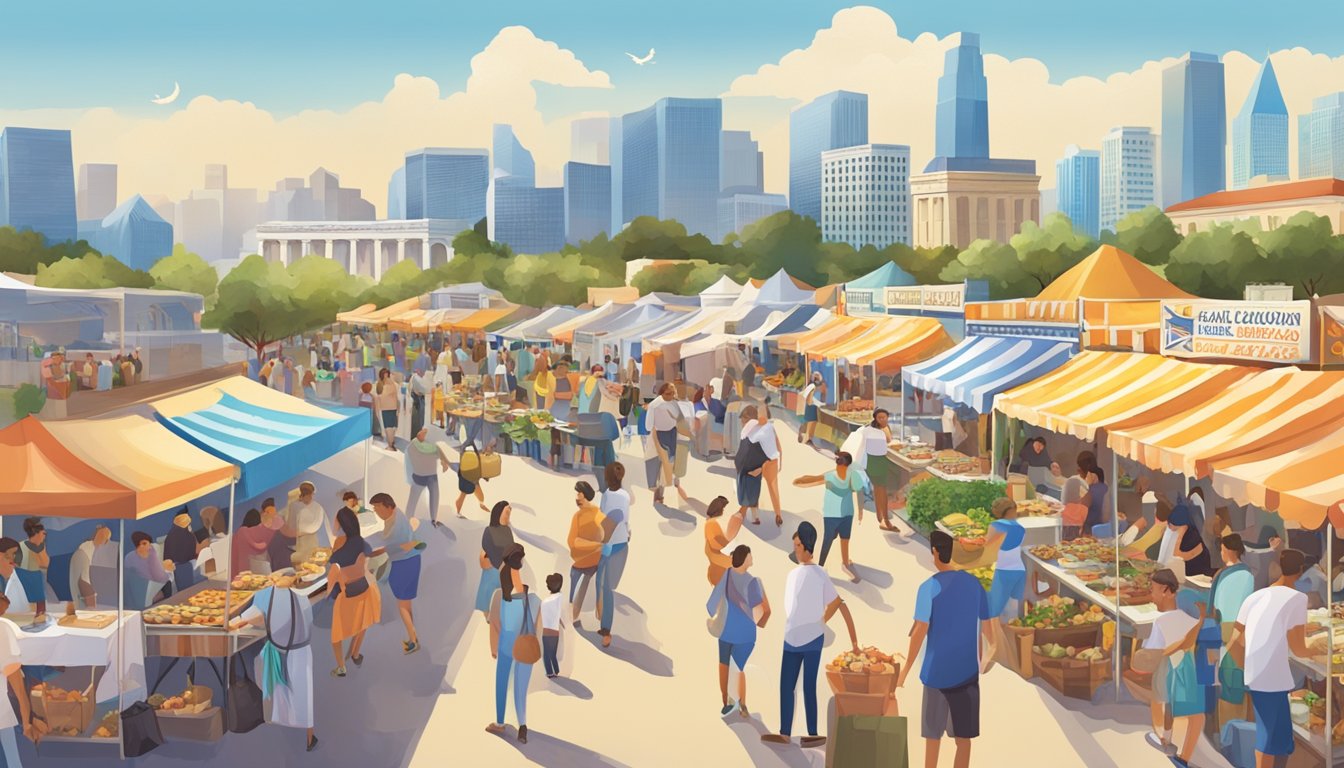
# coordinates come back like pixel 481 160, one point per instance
pixel 838 328
pixel 1112 390
pixel 1301 480
pixel 1265 408
pixel 893 343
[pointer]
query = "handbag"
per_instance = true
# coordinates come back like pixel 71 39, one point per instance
pixel 140 731
pixel 1184 694
pixel 244 709
pixel 716 622
pixel 469 464
pixel 1146 660
pixel 527 648
pixel 491 464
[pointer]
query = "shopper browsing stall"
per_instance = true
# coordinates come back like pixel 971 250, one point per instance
pixel 1010 575
pixel 285 666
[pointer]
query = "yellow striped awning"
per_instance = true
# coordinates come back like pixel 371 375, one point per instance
pixel 835 330
pixel 1112 390
pixel 1266 408
pixel 355 315
pixel 481 319
pixel 1301 480
pixel 890 343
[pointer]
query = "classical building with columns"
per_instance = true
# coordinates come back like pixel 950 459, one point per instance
pixel 957 207
pixel 366 248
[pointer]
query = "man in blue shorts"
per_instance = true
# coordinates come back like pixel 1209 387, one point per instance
pixel 949 609
pixel 403 551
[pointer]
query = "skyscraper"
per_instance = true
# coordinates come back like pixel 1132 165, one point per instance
pixel 587 201
pixel 590 140
pixel 322 198
pixel 396 194
pixel 742 209
pixel 96 194
pixel 447 184
pixel 530 219
pixel 511 159
pixel 963 194
pixel 1128 173
pixel 617 169
pixel 741 164
pixel 865 195
pixel 134 233
pixel 1194 128
pixel 1078 176
pixel 670 162
pixel 37 182
pixel 837 119
pixel 963 102
pixel 1260 132
pixel 1320 133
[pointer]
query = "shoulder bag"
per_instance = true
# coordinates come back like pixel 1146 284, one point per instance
pixel 716 622
pixel 527 648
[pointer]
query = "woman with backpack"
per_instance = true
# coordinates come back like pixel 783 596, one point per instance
pixel 741 598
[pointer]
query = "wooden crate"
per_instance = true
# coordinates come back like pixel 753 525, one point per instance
pixel 1071 677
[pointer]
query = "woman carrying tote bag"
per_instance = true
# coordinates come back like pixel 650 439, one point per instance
pixel 513 640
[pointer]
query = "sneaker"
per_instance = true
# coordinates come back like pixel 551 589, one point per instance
pixel 338 672
pixel 522 734
pixel 814 741
pixel 357 660
pixel 728 709
pixel 1156 742
pixel 409 648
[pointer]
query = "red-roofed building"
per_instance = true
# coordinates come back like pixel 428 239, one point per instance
pixel 1272 204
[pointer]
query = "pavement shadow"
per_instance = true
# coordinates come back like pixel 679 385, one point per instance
pixel 749 731
pixel 551 752
pixel 870 575
pixel 870 594
pixel 540 542
pixel 679 520
pixel 637 654
pixel 566 686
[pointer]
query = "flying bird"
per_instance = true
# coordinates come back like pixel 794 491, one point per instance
pixel 642 60
pixel 170 98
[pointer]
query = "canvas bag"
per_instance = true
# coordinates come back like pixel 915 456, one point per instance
pixel 863 741
pixel 245 709
pixel 526 647
pixel 140 731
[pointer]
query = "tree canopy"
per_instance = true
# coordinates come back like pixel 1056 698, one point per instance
pixel 92 270
pixel 183 270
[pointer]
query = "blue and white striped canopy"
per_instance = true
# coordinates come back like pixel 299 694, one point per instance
pixel 270 446
pixel 973 372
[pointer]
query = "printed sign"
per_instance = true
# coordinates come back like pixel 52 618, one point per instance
pixel 927 298
pixel 1332 328
pixel 1264 331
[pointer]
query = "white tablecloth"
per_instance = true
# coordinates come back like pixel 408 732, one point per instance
pixel 57 646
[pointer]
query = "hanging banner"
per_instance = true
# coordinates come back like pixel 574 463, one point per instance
pixel 1332 341
pixel 1263 331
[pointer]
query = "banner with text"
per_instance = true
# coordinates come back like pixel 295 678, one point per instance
pixel 1264 331
pixel 949 299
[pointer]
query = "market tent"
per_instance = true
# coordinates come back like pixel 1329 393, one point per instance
pixel 537 328
pixel 629 317
pixel 1110 273
pixel 701 321
pixel 630 341
pixel 1262 410
pixel 1301 480
pixel 974 371
pixel 426 320
pixel 1099 390
pixel 621 294
pixel 563 332
pixel 721 294
pixel 375 317
pixel 779 288
pixel 355 315
pixel 271 436
pixel 162 470
pixel 886 276
pixel 838 328
pixel 41 473
pixel 482 319
pixel 889 343
pixel 800 319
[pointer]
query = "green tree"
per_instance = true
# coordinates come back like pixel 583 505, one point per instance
pixel 539 281
pixel 23 252
pixel 924 264
pixel 256 305
pixel 185 271
pixel 686 278
pixel 1304 253
pixel 785 241
pixel 995 263
pixel 321 287
pixel 28 399
pixel 1216 264
pixel 92 270
pixel 1048 250
pixel 1147 235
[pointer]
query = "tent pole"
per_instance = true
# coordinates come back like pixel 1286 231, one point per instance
pixel 121 648
pixel 1330 649
pixel 1115 528
pixel 367 445
pixel 901 437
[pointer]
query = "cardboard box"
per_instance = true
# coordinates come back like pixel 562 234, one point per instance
pixel 64 717
pixel 869 742
pixel 205 725
pixel 865 704
pixel 201 700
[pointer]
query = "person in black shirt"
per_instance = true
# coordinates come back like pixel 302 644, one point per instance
pixel 181 546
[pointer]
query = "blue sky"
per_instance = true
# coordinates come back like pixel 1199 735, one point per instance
pixel 287 55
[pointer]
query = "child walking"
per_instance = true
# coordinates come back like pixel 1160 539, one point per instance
pixel 552 609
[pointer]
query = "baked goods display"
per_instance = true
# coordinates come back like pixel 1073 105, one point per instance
pixel 250 580
pixel 868 660
pixel 204 608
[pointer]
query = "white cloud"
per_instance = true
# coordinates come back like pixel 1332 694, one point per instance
pixel 1030 117
pixel 363 145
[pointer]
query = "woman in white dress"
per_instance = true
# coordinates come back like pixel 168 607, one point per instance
pixel 285 666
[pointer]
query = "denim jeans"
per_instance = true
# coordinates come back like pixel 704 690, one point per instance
pixel 609 572
pixel 579 578
pixel 550 646
pixel 808 659
pixel 10 743
pixel 522 673
pixel 419 483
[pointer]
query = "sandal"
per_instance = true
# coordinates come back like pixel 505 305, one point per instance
pixel 359 660
pixel 779 521
pixel 312 744
pixel 338 672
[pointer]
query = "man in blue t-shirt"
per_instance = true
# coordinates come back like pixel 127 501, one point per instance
pixel 952 611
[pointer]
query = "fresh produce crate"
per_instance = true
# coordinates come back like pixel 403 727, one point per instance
pixel 1075 678
pixel 863 682
pixel 1016 650
pixel 67 713
pixel 1081 636
pixel 865 704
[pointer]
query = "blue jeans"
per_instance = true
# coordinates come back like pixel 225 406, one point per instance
pixel 10 744
pixel 609 572
pixel 522 673
pixel 808 659
pixel 550 646
pixel 579 578
pixel 419 484
pixel 833 527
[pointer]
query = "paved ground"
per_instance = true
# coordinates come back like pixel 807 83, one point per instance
pixel 650 700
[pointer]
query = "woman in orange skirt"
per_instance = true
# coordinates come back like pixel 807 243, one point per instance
pixel 358 603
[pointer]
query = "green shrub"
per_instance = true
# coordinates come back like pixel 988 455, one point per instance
pixel 28 399
pixel 935 498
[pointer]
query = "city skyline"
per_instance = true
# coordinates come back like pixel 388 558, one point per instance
pixel 551 84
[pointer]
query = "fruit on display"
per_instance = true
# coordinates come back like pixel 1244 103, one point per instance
pixel 1036 508
pixel 54 693
pixel 1081 549
pixel 775 380
pixel 109 727
pixel 970 526
pixel 956 463
pixel 1057 612
pixel 1057 651
pixel 985 575
pixel 854 404
pixel 868 660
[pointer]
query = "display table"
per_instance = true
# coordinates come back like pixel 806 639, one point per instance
pixel 1316 742
pixel 1039 530
pixel 1140 617
pixel 58 646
